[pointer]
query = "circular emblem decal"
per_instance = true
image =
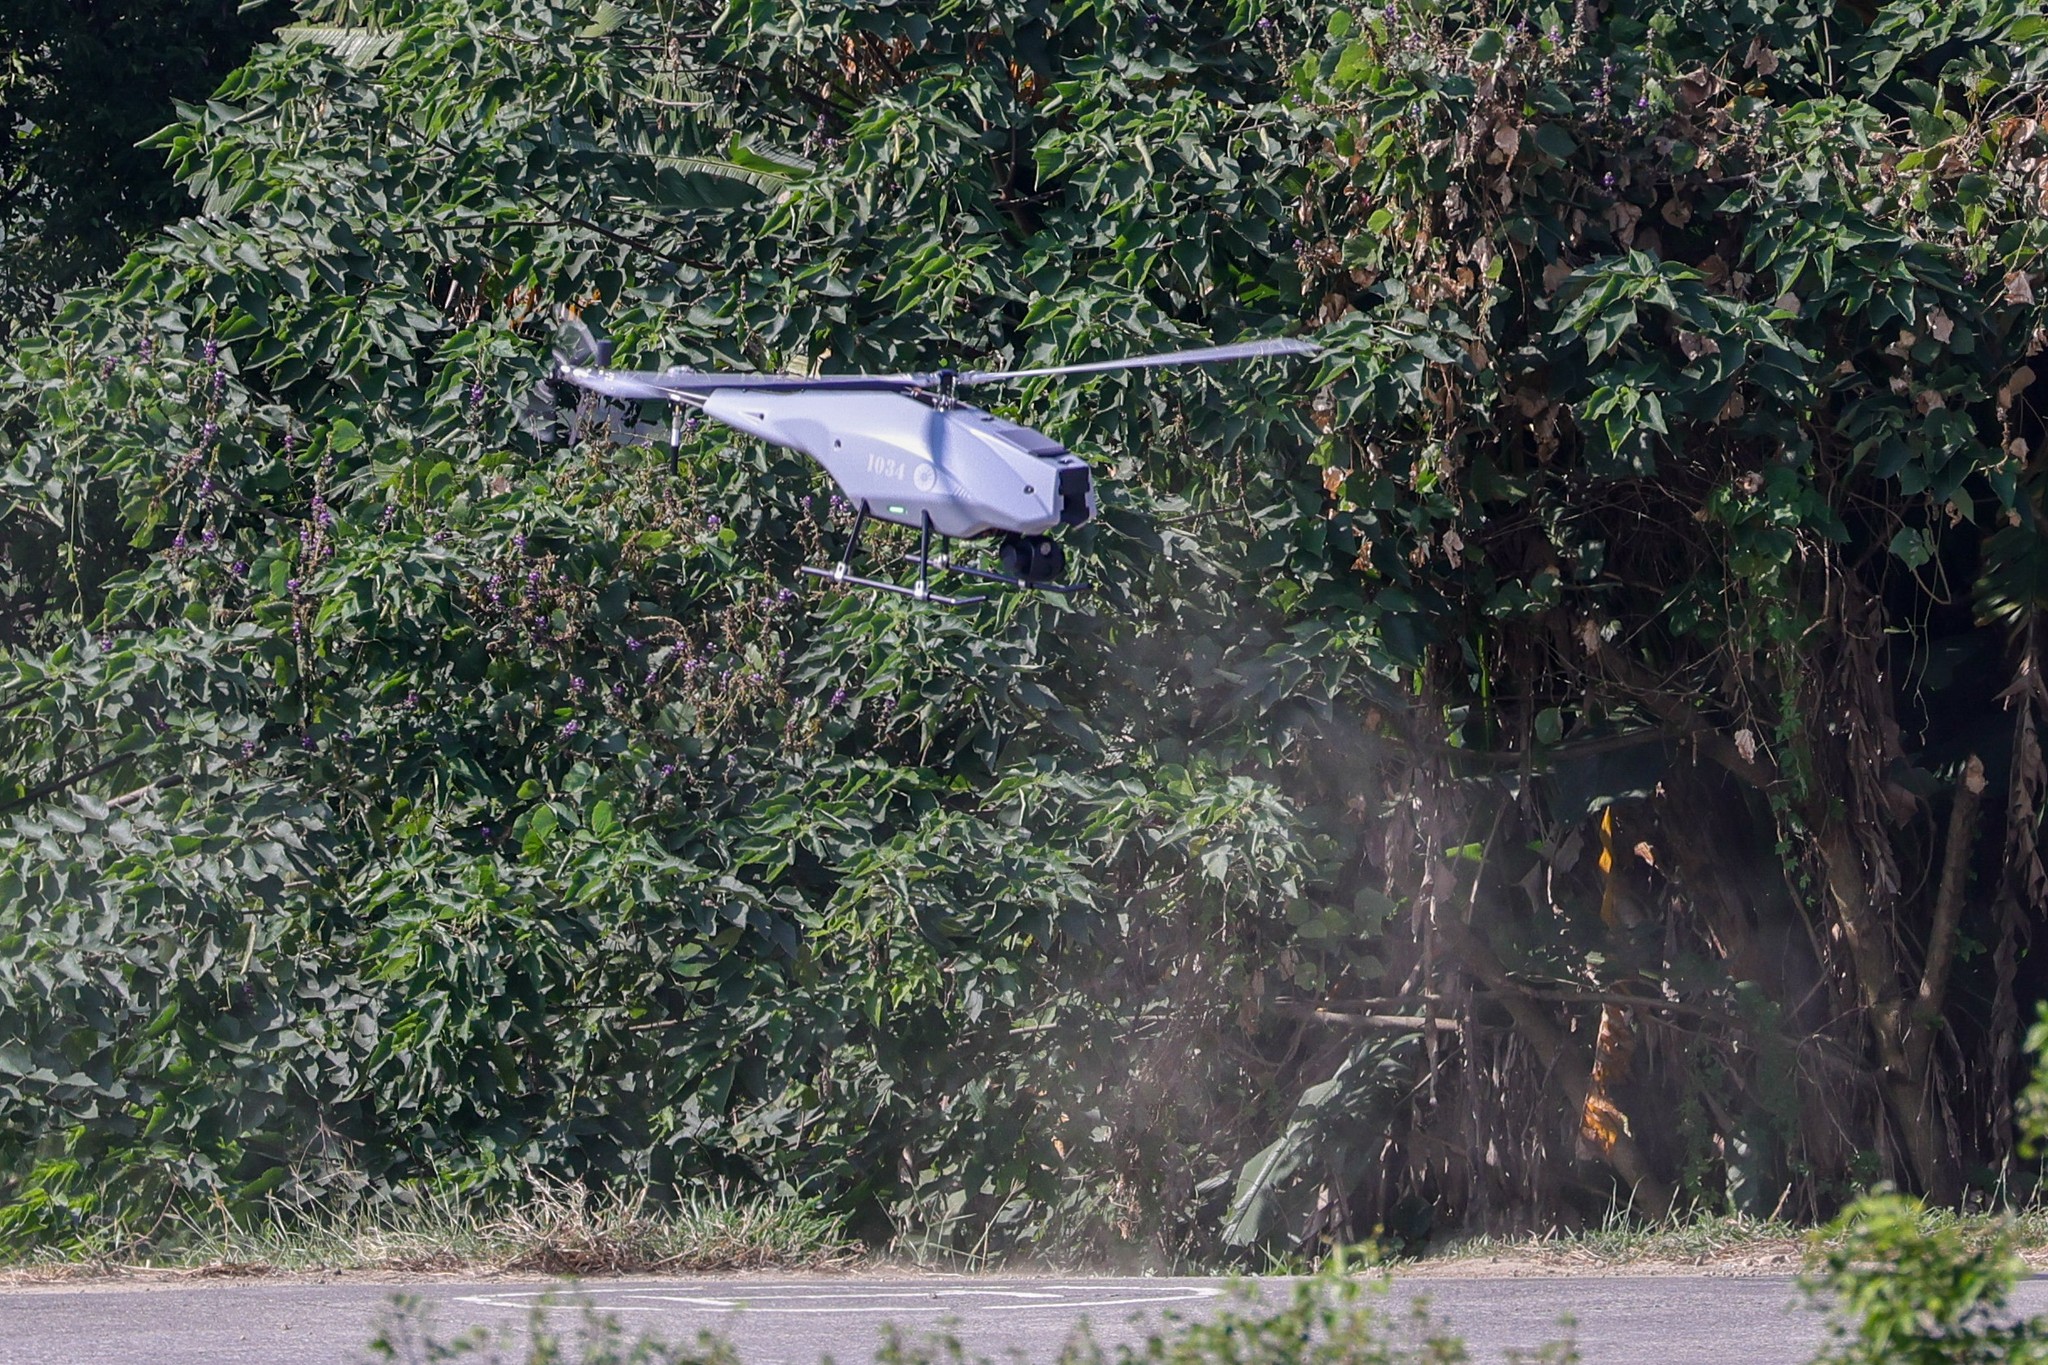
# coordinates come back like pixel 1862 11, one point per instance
pixel 924 477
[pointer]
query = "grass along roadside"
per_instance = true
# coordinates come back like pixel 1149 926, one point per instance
pixel 1722 1243
pixel 566 1229
pixel 556 1230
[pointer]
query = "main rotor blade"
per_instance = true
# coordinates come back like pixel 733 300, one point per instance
pixel 671 385
pixel 1206 355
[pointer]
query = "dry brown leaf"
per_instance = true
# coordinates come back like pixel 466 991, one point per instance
pixel 1509 140
pixel 2014 386
pixel 1761 57
pixel 1601 1122
pixel 2018 289
pixel 1555 274
pixel 1622 219
pixel 1939 325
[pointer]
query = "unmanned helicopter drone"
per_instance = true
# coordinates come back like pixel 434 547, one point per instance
pixel 904 448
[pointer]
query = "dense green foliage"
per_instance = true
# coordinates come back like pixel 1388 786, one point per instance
pixel 1908 1292
pixel 82 84
pixel 399 795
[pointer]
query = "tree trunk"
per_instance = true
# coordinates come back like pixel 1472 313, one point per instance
pixel 1868 937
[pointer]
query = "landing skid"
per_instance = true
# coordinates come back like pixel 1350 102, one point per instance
pixel 842 572
pixel 945 564
pixel 921 592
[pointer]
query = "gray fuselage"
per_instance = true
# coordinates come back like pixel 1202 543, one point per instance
pixel 971 472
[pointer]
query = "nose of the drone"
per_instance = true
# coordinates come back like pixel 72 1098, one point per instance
pixel 1076 489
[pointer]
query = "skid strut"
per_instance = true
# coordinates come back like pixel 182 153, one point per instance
pixel 842 573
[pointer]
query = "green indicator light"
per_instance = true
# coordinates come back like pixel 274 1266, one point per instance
pixel 899 511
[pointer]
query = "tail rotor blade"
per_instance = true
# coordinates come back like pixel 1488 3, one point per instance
pixel 1206 355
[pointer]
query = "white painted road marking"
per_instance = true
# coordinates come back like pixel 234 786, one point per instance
pixel 796 1298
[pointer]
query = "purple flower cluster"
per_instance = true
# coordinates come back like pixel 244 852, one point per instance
pixel 315 548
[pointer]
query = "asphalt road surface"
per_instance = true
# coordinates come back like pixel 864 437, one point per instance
pixel 1621 1320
